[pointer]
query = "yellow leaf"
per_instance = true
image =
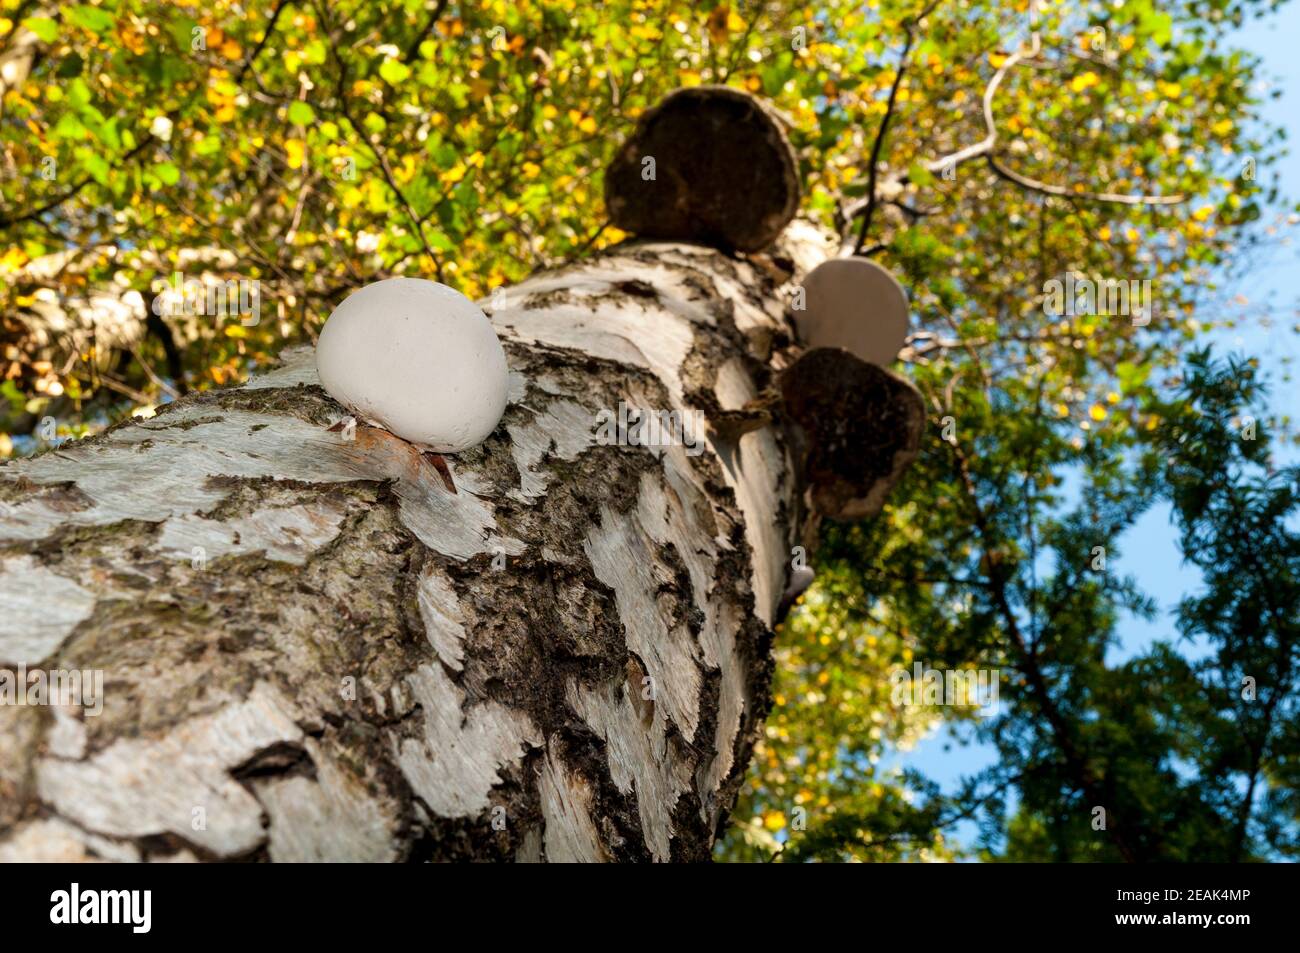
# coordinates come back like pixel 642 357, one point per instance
pixel 294 149
pixel 1084 81
pixel 13 259
pixel 1097 412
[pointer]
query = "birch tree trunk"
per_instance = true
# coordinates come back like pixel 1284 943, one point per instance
pixel 312 649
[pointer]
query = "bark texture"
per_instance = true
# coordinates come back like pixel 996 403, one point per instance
pixel 313 650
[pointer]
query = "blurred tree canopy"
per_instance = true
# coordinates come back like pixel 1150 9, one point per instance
pixel 315 146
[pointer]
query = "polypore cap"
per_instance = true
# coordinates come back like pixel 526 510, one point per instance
pixel 854 304
pixel 858 427
pixel 708 164
pixel 418 359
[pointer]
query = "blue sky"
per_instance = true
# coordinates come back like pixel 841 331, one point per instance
pixel 1149 550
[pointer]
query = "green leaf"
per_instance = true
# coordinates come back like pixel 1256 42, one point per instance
pixel 169 174
pixel 97 167
pixel 91 18
pixel 69 127
pixel 78 92
pixel 919 174
pixel 182 32
pixel 440 242
pixel 43 27
pixel 109 135
pixel 394 71
pixel 301 113
pixel 1131 376
pixel 314 52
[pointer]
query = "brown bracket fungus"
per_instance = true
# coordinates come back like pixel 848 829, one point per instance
pixel 709 164
pixel 856 428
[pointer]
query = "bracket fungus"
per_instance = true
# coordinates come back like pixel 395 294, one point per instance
pixel 857 427
pixel 708 164
pixel 854 304
pixel 417 359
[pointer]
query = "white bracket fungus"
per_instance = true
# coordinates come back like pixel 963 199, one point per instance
pixel 854 304
pixel 418 359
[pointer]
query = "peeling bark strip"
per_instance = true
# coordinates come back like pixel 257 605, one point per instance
pixel 312 650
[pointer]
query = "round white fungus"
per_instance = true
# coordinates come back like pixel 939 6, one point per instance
pixel 854 304
pixel 418 359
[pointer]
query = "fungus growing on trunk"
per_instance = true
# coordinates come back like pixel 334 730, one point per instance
pixel 679 175
pixel 418 359
pixel 857 427
pixel 854 304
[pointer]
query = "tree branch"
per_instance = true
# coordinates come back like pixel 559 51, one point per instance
pixel 261 44
pixel 1027 57
pixel 878 145
pixel 434 16
pixel 1063 192
pixel 70 192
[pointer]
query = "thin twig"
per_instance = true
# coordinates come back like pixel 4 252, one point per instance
pixel 878 145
